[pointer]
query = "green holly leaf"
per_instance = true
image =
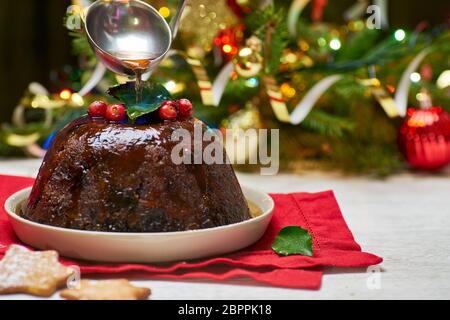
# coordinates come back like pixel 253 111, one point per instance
pixel 293 240
pixel 153 95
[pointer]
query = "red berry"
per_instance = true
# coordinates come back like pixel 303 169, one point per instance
pixel 186 108
pixel 116 112
pixel 169 103
pixel 168 111
pixel 97 109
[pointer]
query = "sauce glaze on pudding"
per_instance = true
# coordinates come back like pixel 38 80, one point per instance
pixel 99 176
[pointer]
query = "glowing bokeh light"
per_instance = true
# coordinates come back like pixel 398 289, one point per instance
pixel 65 94
pixel 400 35
pixel 335 44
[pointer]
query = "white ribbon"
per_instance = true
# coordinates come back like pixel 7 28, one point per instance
pixel 294 13
pixel 221 82
pixel 96 77
pixel 402 93
pixel 305 106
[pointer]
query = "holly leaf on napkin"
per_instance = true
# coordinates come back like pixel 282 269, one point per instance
pixel 293 240
pixel 153 95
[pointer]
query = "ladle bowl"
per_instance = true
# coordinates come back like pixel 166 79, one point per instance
pixel 125 32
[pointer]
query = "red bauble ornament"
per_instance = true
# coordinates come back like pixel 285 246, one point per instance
pixel 424 138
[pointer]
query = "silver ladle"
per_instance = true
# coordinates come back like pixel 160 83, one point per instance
pixel 130 34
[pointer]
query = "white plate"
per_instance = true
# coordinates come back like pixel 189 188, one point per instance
pixel 142 247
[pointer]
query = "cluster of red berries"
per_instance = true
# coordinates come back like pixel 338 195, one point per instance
pixel 113 112
pixel 170 110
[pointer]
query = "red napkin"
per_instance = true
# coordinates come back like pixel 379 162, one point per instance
pixel 319 213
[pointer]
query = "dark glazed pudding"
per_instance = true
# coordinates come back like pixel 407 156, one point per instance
pixel 102 176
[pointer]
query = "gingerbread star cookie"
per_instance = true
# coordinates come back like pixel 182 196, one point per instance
pixel 35 273
pixel 106 290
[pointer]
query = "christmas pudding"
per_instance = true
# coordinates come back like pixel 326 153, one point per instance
pixel 113 171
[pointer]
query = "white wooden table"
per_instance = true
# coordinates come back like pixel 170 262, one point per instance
pixel 405 219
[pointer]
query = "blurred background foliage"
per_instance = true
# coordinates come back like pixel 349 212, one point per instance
pixel 36 47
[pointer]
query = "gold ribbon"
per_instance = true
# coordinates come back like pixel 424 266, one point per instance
pixel 21 141
pixel 383 97
pixel 277 102
pixel 210 92
pixel 203 81
pixel 304 107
